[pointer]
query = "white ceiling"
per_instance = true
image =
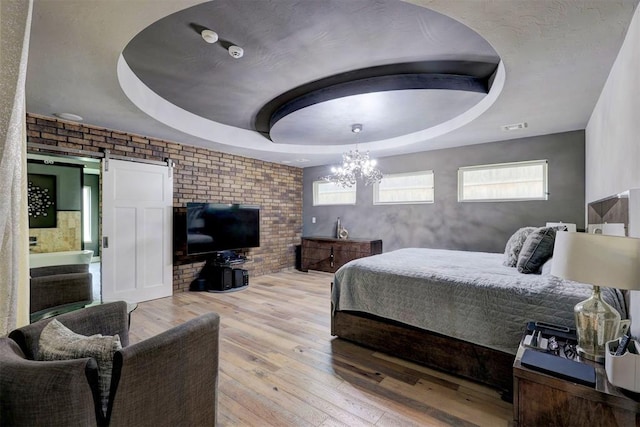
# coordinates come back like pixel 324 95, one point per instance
pixel 556 57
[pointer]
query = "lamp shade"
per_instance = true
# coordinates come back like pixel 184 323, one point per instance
pixel 597 259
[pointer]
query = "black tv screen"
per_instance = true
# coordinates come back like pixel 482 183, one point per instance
pixel 213 227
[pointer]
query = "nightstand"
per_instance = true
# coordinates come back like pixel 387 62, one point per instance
pixel 546 400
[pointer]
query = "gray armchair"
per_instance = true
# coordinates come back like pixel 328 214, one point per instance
pixel 169 379
pixel 59 285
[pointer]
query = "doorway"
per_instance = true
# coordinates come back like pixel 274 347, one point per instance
pixel 64 210
pixel 137 213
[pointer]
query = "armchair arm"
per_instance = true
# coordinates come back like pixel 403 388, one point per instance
pixel 105 319
pixel 169 379
pixel 47 393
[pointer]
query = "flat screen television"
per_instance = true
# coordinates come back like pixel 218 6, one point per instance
pixel 214 227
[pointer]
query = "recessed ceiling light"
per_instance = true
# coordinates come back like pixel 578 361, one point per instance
pixel 236 51
pixel 69 116
pixel 356 128
pixel 302 160
pixel 286 162
pixel 515 126
pixel 209 36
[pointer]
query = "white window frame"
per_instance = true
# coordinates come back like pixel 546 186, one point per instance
pixel 545 180
pixel 376 189
pixel 316 184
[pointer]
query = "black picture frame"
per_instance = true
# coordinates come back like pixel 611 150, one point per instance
pixel 42 200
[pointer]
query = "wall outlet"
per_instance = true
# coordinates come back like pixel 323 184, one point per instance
pixel 313 220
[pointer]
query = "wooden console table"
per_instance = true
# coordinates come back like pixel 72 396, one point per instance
pixel 329 254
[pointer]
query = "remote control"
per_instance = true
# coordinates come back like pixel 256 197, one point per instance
pixel 624 343
pixel 551 326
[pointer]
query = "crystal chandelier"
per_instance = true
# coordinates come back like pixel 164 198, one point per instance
pixel 355 166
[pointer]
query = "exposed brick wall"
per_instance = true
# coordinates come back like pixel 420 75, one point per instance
pixel 202 175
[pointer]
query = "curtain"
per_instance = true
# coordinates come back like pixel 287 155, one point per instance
pixel 15 26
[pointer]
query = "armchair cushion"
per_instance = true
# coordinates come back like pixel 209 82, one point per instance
pixel 58 342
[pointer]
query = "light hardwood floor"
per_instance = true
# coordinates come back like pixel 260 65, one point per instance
pixel 280 366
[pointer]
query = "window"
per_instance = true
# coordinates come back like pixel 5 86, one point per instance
pixel 503 182
pixel 329 193
pixel 412 187
pixel 86 214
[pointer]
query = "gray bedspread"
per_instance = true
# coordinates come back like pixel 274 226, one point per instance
pixel 466 295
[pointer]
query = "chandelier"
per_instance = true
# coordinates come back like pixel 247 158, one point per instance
pixel 355 166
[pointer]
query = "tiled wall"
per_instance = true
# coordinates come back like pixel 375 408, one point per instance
pixel 203 175
pixel 65 237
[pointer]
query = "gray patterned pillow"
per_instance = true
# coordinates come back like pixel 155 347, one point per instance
pixel 514 246
pixel 57 342
pixel 537 249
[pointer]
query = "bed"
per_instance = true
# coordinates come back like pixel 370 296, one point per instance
pixel 458 311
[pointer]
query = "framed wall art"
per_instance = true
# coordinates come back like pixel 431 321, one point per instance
pixel 41 200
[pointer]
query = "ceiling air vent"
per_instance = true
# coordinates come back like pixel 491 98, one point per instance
pixel 514 126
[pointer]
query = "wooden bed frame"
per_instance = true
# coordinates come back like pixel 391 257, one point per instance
pixel 484 365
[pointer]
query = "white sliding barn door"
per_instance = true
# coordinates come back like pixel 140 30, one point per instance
pixel 137 211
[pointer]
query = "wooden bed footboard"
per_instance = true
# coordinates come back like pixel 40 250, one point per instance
pixel 484 365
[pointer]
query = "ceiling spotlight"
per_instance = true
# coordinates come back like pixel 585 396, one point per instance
pixel 69 116
pixel 357 128
pixel 236 51
pixel 209 36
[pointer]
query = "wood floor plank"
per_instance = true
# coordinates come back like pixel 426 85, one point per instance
pixel 279 365
pixel 342 401
pixel 260 382
pixel 436 396
pixel 254 404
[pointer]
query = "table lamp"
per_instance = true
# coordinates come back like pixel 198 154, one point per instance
pixel 598 260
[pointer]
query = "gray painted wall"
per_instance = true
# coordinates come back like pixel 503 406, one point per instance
pixel 446 223
pixel 68 184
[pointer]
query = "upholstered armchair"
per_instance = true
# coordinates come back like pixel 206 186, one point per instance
pixel 169 379
pixel 59 285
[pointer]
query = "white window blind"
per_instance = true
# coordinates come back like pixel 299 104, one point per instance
pixel 404 188
pixel 329 193
pixel 503 182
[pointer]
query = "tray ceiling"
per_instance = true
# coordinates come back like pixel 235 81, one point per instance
pixel 417 78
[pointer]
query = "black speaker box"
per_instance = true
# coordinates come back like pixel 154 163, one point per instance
pixel 240 278
pixel 220 279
